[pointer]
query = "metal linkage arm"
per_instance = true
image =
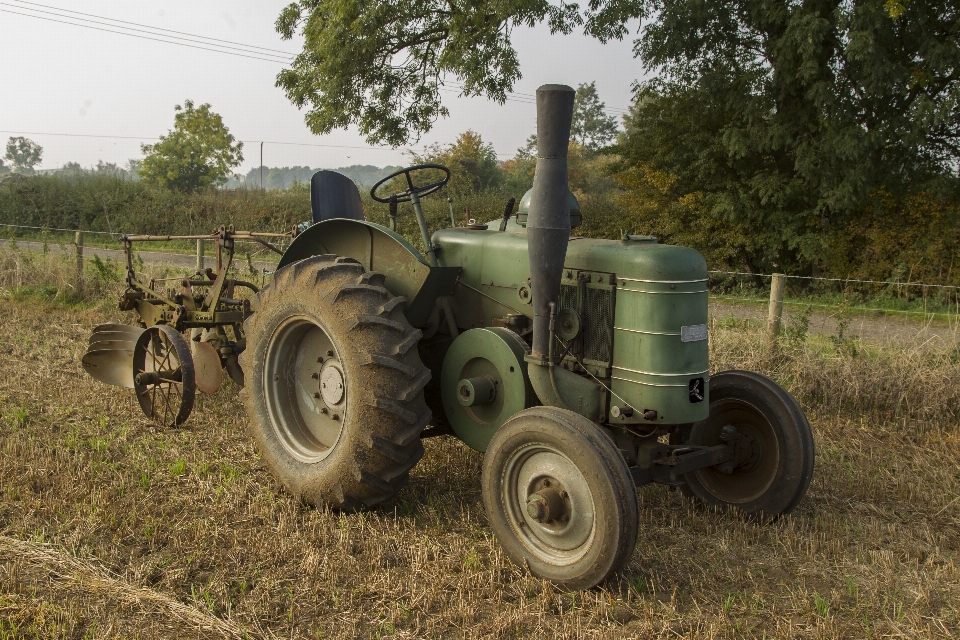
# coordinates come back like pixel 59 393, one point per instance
pixel 667 463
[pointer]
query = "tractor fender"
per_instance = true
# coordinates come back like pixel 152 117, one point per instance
pixel 408 274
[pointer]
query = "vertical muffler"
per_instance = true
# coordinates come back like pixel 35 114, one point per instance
pixel 548 222
pixel 548 232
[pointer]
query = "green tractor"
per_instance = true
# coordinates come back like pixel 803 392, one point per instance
pixel 579 366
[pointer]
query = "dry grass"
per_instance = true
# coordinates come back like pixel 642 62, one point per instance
pixel 52 276
pixel 113 528
pixel 907 378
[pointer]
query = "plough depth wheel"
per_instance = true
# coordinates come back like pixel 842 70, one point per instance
pixel 163 375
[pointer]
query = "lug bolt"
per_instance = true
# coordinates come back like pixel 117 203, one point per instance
pixel 320 359
pixel 323 410
pixel 329 354
pixel 336 416
pixel 314 375
pixel 316 394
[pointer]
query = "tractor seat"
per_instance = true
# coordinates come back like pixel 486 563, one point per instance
pixel 334 195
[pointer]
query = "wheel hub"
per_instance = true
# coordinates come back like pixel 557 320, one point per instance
pixel 306 397
pixel 746 449
pixel 553 504
pixel 331 383
pixel 546 505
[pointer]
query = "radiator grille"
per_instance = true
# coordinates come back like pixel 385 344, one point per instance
pixel 568 297
pixel 598 334
pixel 594 304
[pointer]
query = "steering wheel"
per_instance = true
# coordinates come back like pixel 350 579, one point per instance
pixel 406 196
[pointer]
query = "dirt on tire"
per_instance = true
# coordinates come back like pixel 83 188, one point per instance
pixel 385 412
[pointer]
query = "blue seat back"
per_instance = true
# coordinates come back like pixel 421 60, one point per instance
pixel 334 195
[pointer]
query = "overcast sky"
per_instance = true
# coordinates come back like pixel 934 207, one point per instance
pixel 63 79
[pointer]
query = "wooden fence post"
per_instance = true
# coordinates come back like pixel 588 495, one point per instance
pixel 199 254
pixel 78 240
pixel 776 309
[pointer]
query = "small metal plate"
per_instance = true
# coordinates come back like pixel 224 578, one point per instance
pixel 207 369
pixel 693 333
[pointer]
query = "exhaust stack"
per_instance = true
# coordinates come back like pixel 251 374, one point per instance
pixel 548 222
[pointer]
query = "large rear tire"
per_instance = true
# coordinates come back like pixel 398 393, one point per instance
pixel 559 497
pixel 334 383
pixel 774 441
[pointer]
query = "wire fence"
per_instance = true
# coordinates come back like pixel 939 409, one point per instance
pixel 841 307
pixel 254 257
pixel 844 307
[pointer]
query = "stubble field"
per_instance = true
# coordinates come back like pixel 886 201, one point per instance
pixel 113 528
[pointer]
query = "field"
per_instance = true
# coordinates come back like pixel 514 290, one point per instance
pixel 112 528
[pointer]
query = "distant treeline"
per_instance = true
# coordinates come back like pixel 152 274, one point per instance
pixel 364 175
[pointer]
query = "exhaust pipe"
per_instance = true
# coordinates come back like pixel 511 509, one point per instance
pixel 548 222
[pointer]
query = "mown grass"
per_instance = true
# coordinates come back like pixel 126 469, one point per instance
pixel 110 527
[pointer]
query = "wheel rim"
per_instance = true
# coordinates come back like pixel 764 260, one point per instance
pixel 163 376
pixel 538 472
pixel 305 389
pixel 758 457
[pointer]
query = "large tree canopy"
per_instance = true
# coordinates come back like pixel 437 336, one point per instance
pixel 25 154
pixel 792 117
pixel 381 64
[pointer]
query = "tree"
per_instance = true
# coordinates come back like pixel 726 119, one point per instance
pixel 25 154
pixel 199 152
pixel 133 168
pixel 381 64
pixel 790 118
pixel 591 128
pixel 472 162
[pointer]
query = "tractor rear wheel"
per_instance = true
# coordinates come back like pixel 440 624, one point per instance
pixel 334 383
pixel 559 497
pixel 773 440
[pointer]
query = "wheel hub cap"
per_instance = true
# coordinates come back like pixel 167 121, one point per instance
pixel 551 503
pixel 331 384
pixel 546 505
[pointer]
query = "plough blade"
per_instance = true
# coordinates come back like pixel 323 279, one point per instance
pixel 109 358
pixel 130 331
pixel 110 366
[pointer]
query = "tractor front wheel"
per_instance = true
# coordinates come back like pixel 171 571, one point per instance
pixel 771 435
pixel 334 383
pixel 559 497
